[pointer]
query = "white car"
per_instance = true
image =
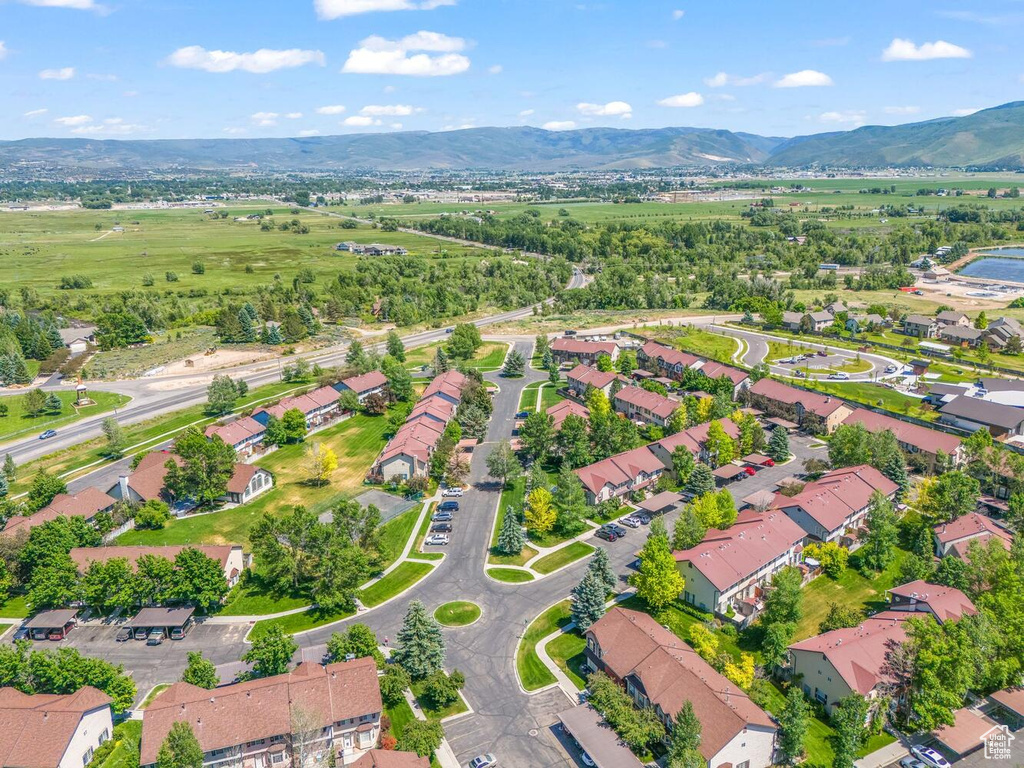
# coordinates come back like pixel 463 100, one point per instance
pixel 891 369
pixel 929 757
pixel 437 539
pixel 483 761
pixel 840 376
pixel 587 759
pixel 452 493
pixel 630 521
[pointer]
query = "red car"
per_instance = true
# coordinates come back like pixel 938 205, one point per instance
pixel 750 471
pixel 768 463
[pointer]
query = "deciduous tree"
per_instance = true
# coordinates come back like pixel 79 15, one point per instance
pixel 271 652
pixel 322 462
pixel 657 580
pixel 200 671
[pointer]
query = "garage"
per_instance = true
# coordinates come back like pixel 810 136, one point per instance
pixel 174 623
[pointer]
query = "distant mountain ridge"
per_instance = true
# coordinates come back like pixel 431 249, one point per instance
pixel 991 138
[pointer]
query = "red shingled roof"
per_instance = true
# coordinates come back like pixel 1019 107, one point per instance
pixel 365 382
pixel 946 603
pixel 36 731
pixel 619 469
pixel 839 494
pixel 588 376
pixel 668 355
pixel 659 405
pixel 563 408
pixel 924 439
pixel 820 405
pixel 571 346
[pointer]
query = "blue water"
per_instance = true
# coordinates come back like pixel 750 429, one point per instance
pixel 1008 265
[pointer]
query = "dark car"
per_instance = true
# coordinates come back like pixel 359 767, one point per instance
pixel 124 634
pixel 607 535
pixel 523 415
pixel 617 529
pixel 48 434
pixel 448 330
pixel 441 528
pixel 448 506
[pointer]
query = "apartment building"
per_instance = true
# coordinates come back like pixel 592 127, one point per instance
pixel 50 731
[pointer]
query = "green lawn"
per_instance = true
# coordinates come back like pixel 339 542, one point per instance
pixel 458 707
pixel 532 672
pixel 395 534
pixel 549 396
pixel 299 622
pixel 399 580
pixel 18 424
pixel 157 690
pixel 696 340
pixel 489 357
pixel 255 598
pixel 562 557
pixel 459 613
pixel 16 607
pixel 510 497
pixel 510 575
pixel 528 397
pixel 127 736
pixel 566 651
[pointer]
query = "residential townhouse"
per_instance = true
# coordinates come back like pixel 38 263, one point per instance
pixel 639 404
pixel 713 370
pixel 1001 330
pixel 950 317
pixel 961 336
pixel 86 503
pixel 832 665
pixel 835 308
pixel 694 438
pixel 319 407
pixel 303 716
pixel 920 326
pixel 372 383
pixel 833 508
pixel 232 560
pixel 561 410
pixel 245 435
pixel 973 413
pixel 580 378
pixel 819 414
pixel 729 569
pixel 665 360
pixel 820 320
pixel 408 453
pixel 566 349
pixel 661 671
pixel 620 475
pixel 791 321
pixel 858 323
pixel 943 603
pixel 955 537
pixel 51 731
pixel 912 438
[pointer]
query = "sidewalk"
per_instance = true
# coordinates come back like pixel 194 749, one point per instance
pixel 884 756
pixel 445 754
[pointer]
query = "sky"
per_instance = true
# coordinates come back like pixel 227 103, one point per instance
pixel 254 68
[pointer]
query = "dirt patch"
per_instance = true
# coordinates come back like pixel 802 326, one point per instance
pixel 222 358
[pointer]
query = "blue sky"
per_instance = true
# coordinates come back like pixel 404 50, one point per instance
pixel 252 68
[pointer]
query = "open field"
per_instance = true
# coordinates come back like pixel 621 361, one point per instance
pixel 489 357
pixel 17 423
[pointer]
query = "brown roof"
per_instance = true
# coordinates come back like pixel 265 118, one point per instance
pixel 241 476
pixel 82 556
pixel 971 526
pixel 727 557
pixel 922 438
pixel 148 478
pixel 236 431
pixel 839 494
pixel 234 714
pixel 967 733
pixel 619 469
pixel 715 370
pixel 383 758
pixel 660 501
pixel 52 619
pixel 1010 698
pixel 728 471
pixel 365 382
pixel 659 405
pixel 668 355
pixel 671 672
pixel 820 405
pixel 85 503
pixel 560 410
pixel 857 653
pixel 36 731
pixel 945 603
pixel 571 346
pixel 586 375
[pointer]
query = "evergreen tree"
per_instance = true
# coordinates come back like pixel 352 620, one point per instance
pixel 395 346
pixel 571 502
pixel 587 602
pixel 793 722
pixel 778 445
pixel 701 481
pixel 883 533
pixel 896 470
pixel 4 487
pixel 601 568
pixel 689 531
pixel 53 403
pixel 273 335
pixel 247 328
pixel 356 355
pixel 510 538
pixel 421 648
pixel 441 364
pixel 683 750
pixel 10 470
pixel 515 365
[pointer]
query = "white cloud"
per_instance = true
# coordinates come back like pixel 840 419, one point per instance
pixel 258 62
pixel 331 109
pixel 113 126
pixel 559 125
pixel 65 73
pixel 265 119
pixel 678 14
pixel 103 78
pixel 909 110
pixel 379 56
pixel 360 121
pixel 35 112
pixel 805 78
pixel 309 132
pixel 293 116
pixel 905 50
pixel 3 50
pixel 389 110
pixel 335 9
pixel 691 99
pixel 396 126
pixel 78 5
pixel 965 111
pixel 235 131
pixel 130 94
pixel 73 121
pixel 496 69
pixel 854 117
pixel 723 79
pixel 527 112
pixel 611 109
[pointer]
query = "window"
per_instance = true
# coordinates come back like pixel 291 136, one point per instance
pixel 744 764
pixel 277 757
pixel 87 757
pixel 105 735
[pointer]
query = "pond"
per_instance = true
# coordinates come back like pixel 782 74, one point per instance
pixel 1002 264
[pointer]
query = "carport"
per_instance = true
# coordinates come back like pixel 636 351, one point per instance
pixel 729 472
pixel 786 424
pixel 59 621
pixel 597 739
pixel 966 734
pixel 758 459
pixel 175 622
pixel 1011 701
pixel 661 503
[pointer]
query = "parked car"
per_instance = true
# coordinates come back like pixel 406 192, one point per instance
pixel 570 333
pixel 800 375
pixel 21 634
pixel 442 517
pixel 587 759
pixel 911 762
pixel 929 756
pixel 140 633
pixel 631 521
pixel 124 634
pixel 607 534
pixel 48 434
pixel 619 530
pixel 891 369
pixel 822 353
pixel 449 330
pixel 750 471
pixel 644 519
pixel 453 492
pixel 437 539
pixel 155 637
pixel 483 761
pixel 523 415
pixel 839 375
pixel 768 463
pixel 441 528
pixel 448 506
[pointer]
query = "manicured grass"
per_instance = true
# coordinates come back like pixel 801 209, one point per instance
pixel 875 394
pixel 255 598
pixel 422 532
pixel 399 580
pixel 562 557
pixel 18 424
pixel 528 397
pixel 851 589
pixel 458 707
pixel 696 340
pixel 510 575
pixel 127 736
pixel 157 690
pixel 602 519
pixel 431 556
pixel 395 534
pixel 457 614
pixel 566 651
pixel 533 674
pixel 16 607
pixel 549 396
pixel 549 539
pixel 510 497
pixel 400 715
pixel 489 357
pixel 298 622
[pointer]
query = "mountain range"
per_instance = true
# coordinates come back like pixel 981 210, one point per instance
pixel 991 138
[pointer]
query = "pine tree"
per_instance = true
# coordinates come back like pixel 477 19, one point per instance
pixel 778 445
pixel 686 734
pixel 896 470
pixel 601 568
pixel 510 538
pixel 515 365
pixel 587 602
pixel 441 364
pixel 10 469
pixel 4 486
pixel 701 481
pixel 793 721
pixel 688 531
pixel 421 648
pixel 395 346
pixel 273 335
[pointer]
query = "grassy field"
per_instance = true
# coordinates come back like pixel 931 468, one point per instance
pixel 695 340
pixel 562 557
pixel 532 672
pixel 399 580
pixel 298 622
pixel 16 607
pixel 17 423
pixel 566 651
pixel 489 357
pixel 457 614
pixel 510 575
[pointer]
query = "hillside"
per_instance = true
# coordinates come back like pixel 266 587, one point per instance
pixel 991 138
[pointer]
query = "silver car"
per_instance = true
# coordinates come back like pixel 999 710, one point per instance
pixel 483 761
